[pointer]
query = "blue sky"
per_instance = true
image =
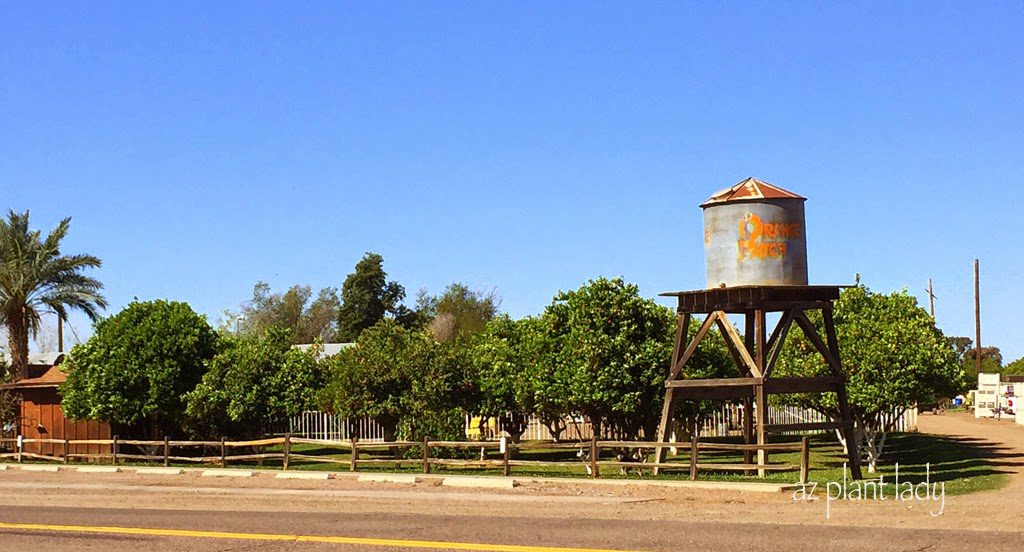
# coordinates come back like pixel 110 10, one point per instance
pixel 524 147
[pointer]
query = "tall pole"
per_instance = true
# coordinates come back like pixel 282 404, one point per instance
pixel 60 334
pixel 931 299
pixel 977 319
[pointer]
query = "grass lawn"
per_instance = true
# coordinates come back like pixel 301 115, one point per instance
pixel 963 466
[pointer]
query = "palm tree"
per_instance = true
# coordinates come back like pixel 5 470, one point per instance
pixel 36 278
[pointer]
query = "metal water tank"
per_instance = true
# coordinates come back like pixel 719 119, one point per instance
pixel 754 236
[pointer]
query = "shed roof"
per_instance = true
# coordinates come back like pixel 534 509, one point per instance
pixel 51 377
pixel 750 189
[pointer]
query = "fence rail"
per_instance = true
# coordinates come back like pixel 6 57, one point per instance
pixel 590 453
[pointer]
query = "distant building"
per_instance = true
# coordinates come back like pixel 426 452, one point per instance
pixel 327 350
pixel 40 415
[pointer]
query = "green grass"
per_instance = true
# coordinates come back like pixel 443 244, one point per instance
pixel 964 465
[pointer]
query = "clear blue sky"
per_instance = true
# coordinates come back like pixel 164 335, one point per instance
pixel 200 148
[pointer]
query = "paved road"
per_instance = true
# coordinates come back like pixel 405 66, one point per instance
pixel 250 531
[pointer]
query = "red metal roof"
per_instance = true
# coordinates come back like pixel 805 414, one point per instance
pixel 51 377
pixel 750 189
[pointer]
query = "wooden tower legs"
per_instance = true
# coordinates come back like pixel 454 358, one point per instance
pixel 755 356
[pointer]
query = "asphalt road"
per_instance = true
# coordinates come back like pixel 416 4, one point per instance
pixel 74 529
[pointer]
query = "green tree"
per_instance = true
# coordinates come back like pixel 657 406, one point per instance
pixel 367 297
pixel 408 383
pixel 292 310
pixel 991 359
pixel 991 362
pixel 508 365
pixel 459 312
pixel 253 385
pixel 893 357
pixel 136 368
pixel 36 277
pixel 375 377
pixel 610 355
pixel 1015 368
pixel 441 396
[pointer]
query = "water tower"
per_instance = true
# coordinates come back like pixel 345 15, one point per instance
pixel 756 263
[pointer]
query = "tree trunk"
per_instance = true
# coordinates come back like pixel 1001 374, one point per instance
pixel 17 341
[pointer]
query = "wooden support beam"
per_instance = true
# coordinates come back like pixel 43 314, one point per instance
pixel 682 330
pixel 664 426
pixel 815 338
pixel 711 393
pixel 783 386
pixel 778 340
pixel 692 347
pixel 760 421
pixel 852 448
pixel 748 402
pixel 736 346
pixel 720 382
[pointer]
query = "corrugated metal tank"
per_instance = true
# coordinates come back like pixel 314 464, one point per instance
pixel 754 236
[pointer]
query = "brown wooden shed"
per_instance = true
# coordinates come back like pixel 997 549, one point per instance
pixel 40 415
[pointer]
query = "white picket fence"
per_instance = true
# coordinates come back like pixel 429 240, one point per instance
pixel 726 421
pixel 331 427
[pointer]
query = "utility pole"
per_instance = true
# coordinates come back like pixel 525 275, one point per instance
pixel 931 299
pixel 977 319
pixel 60 334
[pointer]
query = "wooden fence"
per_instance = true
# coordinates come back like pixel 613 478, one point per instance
pixel 589 453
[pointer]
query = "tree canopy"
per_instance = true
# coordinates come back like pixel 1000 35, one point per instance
pixel 367 297
pixel 36 277
pixel 459 312
pixel 1015 368
pixel 507 359
pixel 136 368
pixel 404 380
pixel 374 378
pixel 292 310
pixel 253 385
pixel 610 355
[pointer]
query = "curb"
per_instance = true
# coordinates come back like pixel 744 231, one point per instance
pixel 225 472
pixel 159 471
pixel 39 468
pixel 98 469
pixel 388 478
pixel 479 482
pixel 302 475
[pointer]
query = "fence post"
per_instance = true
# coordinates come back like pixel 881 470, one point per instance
pixel 506 454
pixel 167 451
pixel 223 453
pixel 354 458
pixel 426 454
pixel 287 449
pixel 115 451
pixel 693 458
pixel 805 459
pixel 67 448
pixel 594 451
pixel 21 445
